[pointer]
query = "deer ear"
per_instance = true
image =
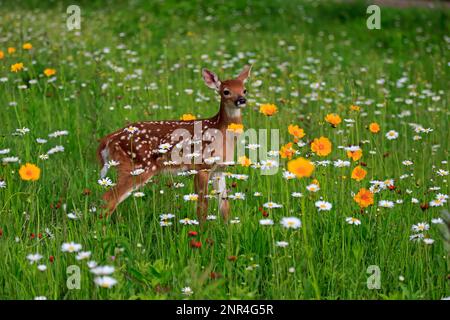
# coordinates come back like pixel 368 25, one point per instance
pixel 245 73
pixel 211 79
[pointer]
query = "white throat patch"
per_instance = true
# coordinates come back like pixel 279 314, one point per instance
pixel 233 112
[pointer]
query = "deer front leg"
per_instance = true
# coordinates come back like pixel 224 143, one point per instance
pixel 201 188
pixel 221 187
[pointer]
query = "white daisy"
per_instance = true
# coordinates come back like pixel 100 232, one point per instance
pixel 296 194
pixel 237 196
pixel 42 267
pixel 341 163
pixel 421 226
pixel 391 135
pixel 281 244
pixel 266 222
pixel 187 221
pixel 105 282
pixel 166 216
pixel 187 291
pixel 34 257
pixel 313 187
pixel 272 205
pixel 83 255
pixel 71 247
pixel 386 204
pixel 352 220
pixel 323 205
pixel 291 222
pixel 105 182
pixel 288 175
pixel 58 134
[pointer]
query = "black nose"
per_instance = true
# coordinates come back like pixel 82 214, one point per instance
pixel 240 101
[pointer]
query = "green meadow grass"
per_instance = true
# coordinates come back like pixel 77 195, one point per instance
pixel 161 48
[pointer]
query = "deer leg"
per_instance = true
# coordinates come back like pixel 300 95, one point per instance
pixel 221 187
pixel 121 191
pixel 201 188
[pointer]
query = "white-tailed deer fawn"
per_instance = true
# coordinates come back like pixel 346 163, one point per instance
pixel 144 149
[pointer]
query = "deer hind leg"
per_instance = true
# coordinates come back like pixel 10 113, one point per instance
pixel 221 187
pixel 125 185
pixel 201 188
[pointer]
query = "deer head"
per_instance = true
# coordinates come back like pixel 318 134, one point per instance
pixel 232 92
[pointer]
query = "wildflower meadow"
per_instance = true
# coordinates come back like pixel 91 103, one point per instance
pixel 344 199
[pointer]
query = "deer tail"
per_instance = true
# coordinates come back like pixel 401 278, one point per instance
pixel 102 156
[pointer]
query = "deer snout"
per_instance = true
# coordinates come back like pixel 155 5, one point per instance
pixel 240 102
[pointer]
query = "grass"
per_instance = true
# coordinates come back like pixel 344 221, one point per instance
pixel 161 48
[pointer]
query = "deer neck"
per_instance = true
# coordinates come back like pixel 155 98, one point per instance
pixel 229 115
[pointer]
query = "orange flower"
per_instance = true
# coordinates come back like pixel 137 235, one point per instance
pixel 364 198
pixel 321 146
pixel 236 127
pixel 268 109
pixel 27 46
pixel 16 67
pixel 2 54
pixel 244 161
pixel 296 131
pixel 187 117
pixel 355 155
pixel 301 167
pixel 333 119
pixel 287 151
pixel 29 172
pixel 358 173
pixel 354 108
pixel 49 72
pixel 11 50
pixel 374 127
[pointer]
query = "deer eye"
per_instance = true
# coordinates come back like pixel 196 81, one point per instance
pixel 226 92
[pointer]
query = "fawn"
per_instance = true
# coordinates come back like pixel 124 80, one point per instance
pixel 143 149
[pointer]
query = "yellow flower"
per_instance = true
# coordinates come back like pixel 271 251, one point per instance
pixel 358 173
pixel 364 198
pixel 49 72
pixel 236 127
pixel 2 54
pixel 287 151
pixel 187 117
pixel 354 108
pixel 355 155
pixel 244 161
pixel 27 46
pixel 11 50
pixel 321 146
pixel 16 67
pixel 301 167
pixel 333 119
pixel 268 109
pixel 29 172
pixel 374 127
pixel 296 131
